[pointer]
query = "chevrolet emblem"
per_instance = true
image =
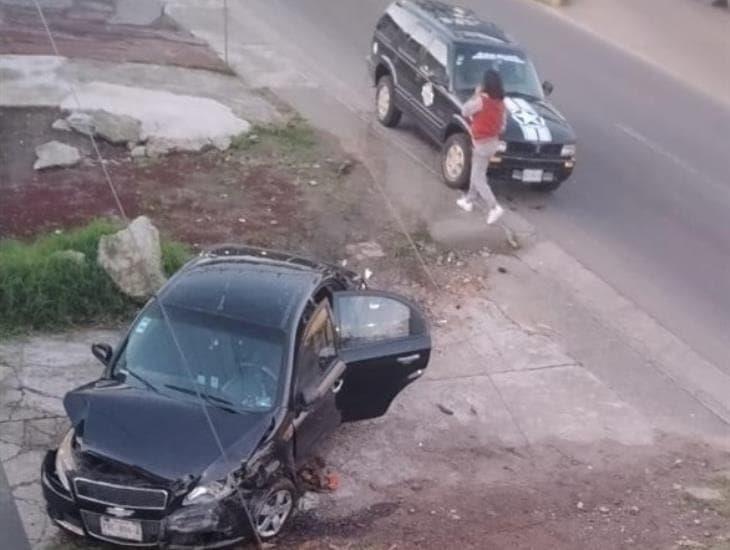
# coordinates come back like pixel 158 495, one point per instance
pixel 119 512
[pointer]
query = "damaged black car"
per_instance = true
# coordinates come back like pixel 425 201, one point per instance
pixel 221 389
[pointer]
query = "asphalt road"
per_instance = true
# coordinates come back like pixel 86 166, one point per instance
pixel 647 208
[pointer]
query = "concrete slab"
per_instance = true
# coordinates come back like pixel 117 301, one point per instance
pixel 570 403
pixel 521 351
pixel 457 360
pixel 47 80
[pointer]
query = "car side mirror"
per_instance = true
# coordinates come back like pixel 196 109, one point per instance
pixel 547 87
pixel 103 352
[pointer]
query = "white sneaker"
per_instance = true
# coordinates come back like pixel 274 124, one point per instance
pixel 465 204
pixel 494 214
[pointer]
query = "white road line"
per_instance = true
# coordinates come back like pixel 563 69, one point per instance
pixel 674 159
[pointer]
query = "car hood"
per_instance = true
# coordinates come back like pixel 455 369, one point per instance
pixel 532 120
pixel 165 437
pixel 535 120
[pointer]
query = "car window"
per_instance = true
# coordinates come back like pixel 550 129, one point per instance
pixel 368 319
pixel 317 335
pixel 435 58
pixel 226 360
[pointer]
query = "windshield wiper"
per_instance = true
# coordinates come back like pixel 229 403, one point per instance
pixel 211 399
pixel 141 379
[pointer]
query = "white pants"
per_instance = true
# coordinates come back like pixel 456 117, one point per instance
pixel 482 151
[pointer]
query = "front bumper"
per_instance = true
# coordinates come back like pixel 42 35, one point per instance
pixel 214 526
pixel 508 167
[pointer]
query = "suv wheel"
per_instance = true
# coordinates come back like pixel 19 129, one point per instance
pixel 388 114
pixel 456 161
pixel 273 508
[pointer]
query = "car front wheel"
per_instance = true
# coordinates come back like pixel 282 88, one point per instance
pixel 273 508
pixel 388 114
pixel 456 161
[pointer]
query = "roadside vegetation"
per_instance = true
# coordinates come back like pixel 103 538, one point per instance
pixel 296 140
pixel 54 281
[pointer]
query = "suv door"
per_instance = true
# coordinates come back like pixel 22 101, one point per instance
pixel 433 79
pixel 385 342
pixel 318 373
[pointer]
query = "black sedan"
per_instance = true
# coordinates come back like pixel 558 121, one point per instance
pixel 223 386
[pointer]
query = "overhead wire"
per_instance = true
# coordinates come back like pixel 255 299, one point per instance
pixel 148 276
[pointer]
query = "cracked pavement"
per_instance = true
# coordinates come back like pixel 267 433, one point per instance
pixel 35 374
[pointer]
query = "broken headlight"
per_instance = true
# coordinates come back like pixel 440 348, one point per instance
pixel 210 492
pixel 65 459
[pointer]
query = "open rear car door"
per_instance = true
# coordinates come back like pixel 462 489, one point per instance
pixel 384 340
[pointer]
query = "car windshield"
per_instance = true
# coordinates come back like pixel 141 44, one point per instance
pixel 518 73
pixel 229 363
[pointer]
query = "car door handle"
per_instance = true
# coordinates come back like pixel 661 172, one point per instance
pixel 408 359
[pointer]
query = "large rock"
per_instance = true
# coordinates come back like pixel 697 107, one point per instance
pixel 133 259
pixel 55 153
pixel 114 128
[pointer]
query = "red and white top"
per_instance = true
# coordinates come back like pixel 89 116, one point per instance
pixel 488 117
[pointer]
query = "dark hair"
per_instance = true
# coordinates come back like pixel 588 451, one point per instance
pixel 492 84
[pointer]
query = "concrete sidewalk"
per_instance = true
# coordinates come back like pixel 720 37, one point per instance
pixel 689 39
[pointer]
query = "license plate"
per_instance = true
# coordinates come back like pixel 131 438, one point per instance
pixel 121 528
pixel 530 176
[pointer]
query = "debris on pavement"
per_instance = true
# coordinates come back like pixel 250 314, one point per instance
pixel 444 409
pixel 365 250
pixel 56 154
pixel 315 476
pixel 703 494
pixel 61 124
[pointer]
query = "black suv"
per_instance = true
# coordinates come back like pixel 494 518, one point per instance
pixel 427 58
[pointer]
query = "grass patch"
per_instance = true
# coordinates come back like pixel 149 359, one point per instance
pixel 295 140
pixel 42 287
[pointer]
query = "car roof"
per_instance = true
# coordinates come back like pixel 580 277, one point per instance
pixel 256 286
pixel 454 22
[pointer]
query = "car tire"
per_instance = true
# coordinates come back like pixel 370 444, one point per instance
pixel 388 114
pixel 456 161
pixel 546 187
pixel 273 507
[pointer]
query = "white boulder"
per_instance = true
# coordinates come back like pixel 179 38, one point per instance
pixel 132 258
pixel 55 153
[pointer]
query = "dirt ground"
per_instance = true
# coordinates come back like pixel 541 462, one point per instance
pixel 606 499
pixel 296 191
pixel 85 30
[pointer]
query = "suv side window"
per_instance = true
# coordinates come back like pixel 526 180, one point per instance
pixel 435 58
pixel 415 42
pixel 317 334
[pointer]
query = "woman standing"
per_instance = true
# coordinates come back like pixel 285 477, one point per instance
pixel 487 114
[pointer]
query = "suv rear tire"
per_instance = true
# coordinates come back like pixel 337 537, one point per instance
pixel 456 161
pixel 388 114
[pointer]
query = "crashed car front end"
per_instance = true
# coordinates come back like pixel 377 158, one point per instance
pixel 99 499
